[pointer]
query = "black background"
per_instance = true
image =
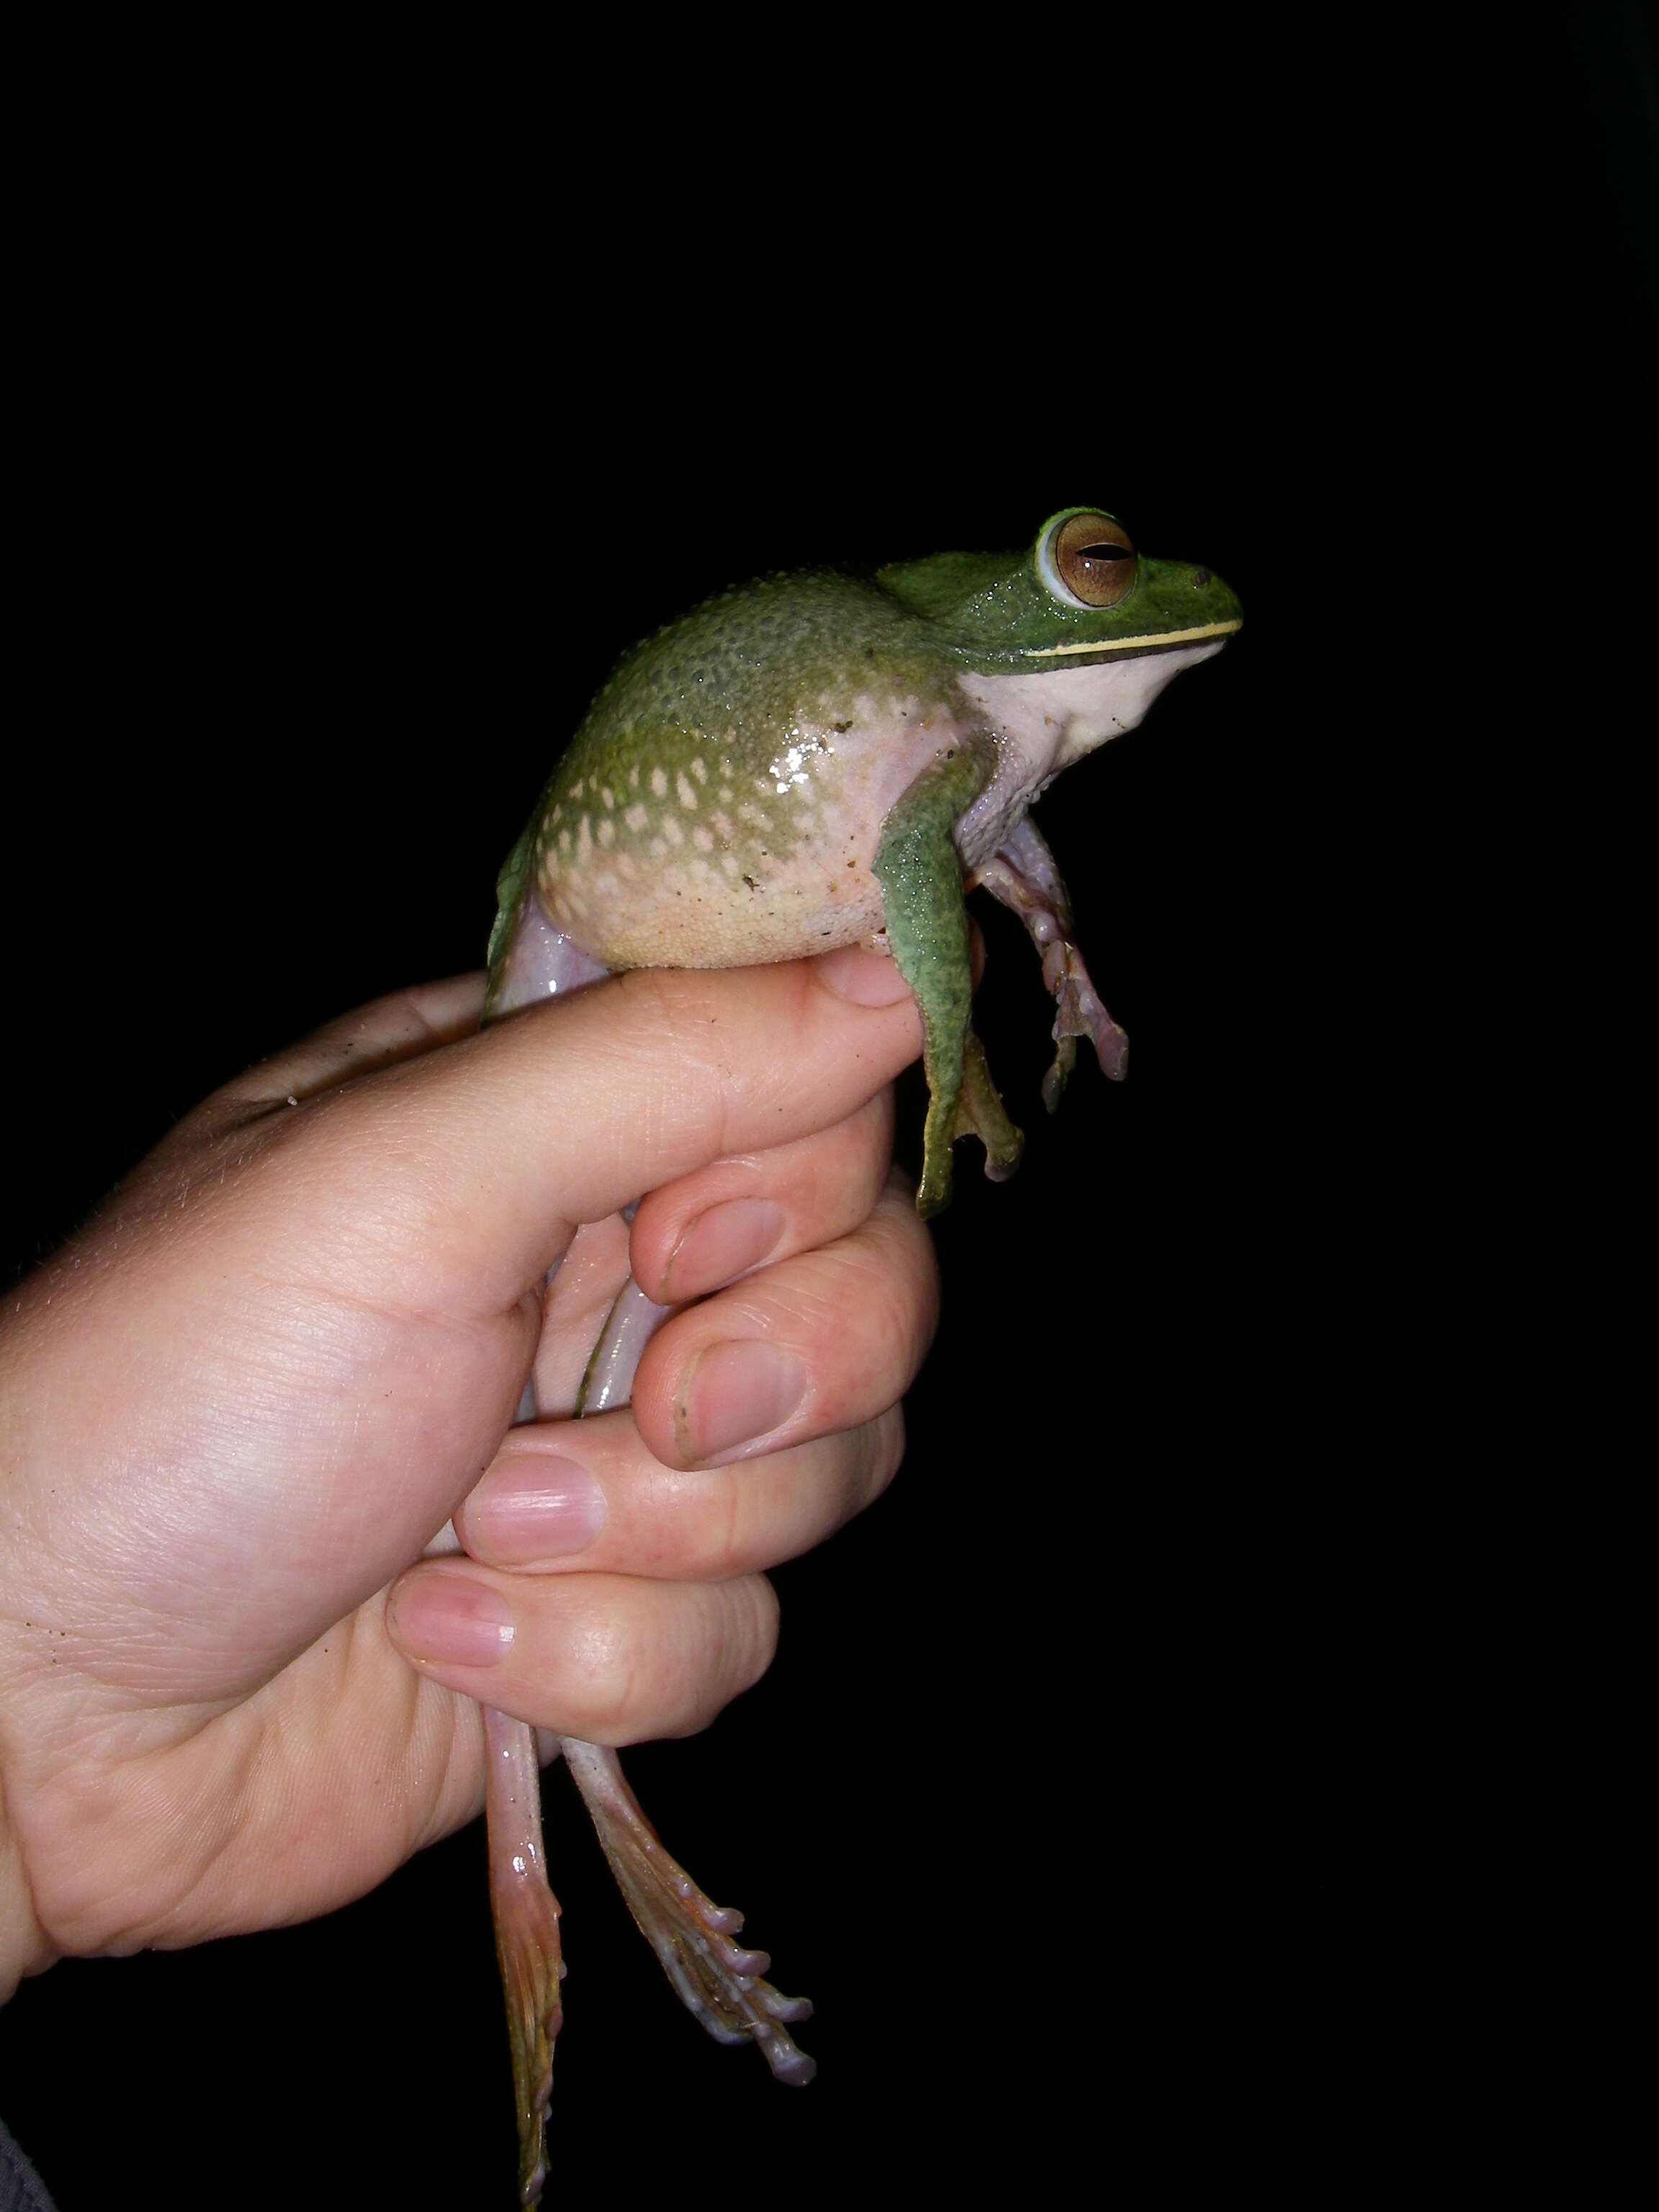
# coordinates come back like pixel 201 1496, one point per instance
pixel 1073 1799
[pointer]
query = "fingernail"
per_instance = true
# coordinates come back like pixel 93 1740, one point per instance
pixel 534 1505
pixel 867 979
pixel 449 1619
pixel 734 1393
pixel 720 1244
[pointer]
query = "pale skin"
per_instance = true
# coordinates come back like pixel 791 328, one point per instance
pixel 238 1406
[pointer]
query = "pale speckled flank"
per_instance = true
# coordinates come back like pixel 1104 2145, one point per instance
pixel 785 868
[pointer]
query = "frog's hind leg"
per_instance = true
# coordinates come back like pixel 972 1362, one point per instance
pixel 719 1982
pixel 529 959
pixel 526 1917
pixel 1024 875
pixel 920 872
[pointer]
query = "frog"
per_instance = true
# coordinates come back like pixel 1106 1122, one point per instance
pixel 808 761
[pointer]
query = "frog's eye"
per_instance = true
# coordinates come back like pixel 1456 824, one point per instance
pixel 1090 559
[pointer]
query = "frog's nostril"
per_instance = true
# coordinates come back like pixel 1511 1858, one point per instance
pixel 1201 577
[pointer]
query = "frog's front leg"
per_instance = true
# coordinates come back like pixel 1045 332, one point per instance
pixel 1024 875
pixel 920 871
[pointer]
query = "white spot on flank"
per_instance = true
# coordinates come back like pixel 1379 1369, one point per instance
pixel 584 841
pixel 672 830
pixel 634 777
pixel 607 832
pixel 609 797
pixel 659 850
pixel 659 783
pixel 688 798
pixel 576 789
pixel 637 817
pixel 700 769
pixel 723 823
pixel 564 842
pixel 558 815
pixel 703 839
pixel 729 861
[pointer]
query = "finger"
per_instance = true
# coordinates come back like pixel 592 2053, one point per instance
pixel 568 1110
pixel 705 1229
pixel 567 1496
pixel 606 1657
pixel 814 1344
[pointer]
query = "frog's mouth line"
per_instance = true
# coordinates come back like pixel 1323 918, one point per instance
pixel 1165 641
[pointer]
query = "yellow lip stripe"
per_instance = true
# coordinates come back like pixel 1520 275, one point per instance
pixel 1136 644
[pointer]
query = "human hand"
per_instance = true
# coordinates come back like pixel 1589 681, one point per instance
pixel 249 1393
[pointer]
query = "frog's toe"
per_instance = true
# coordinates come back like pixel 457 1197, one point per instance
pixel 981 1113
pixel 933 1191
pixel 719 1982
pixel 1079 1011
pixel 1059 1074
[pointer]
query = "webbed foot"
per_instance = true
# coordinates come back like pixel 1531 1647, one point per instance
pixel 719 1982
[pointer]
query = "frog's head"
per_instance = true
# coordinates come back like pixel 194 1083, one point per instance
pixel 1082 593
pixel 1082 599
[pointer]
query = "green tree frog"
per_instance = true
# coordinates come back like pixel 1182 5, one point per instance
pixel 805 761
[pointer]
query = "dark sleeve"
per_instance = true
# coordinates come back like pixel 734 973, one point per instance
pixel 21 2187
